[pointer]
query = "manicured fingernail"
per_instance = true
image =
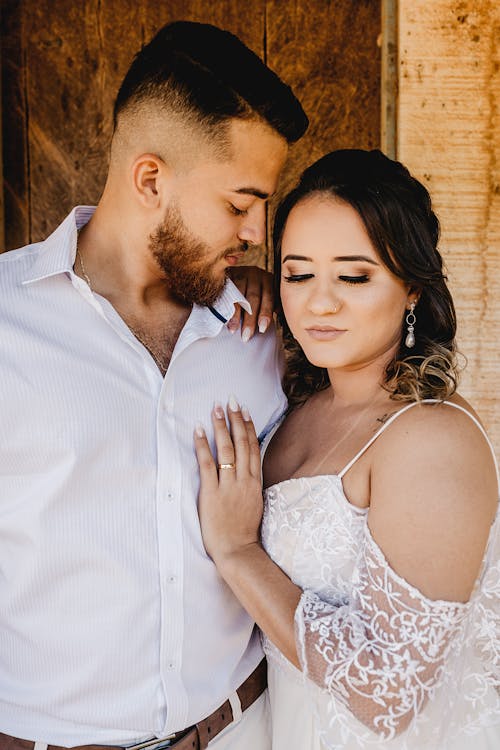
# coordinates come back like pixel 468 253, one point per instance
pixel 218 410
pixel 233 403
pixel 245 414
pixel 199 430
pixel 263 324
pixel 245 336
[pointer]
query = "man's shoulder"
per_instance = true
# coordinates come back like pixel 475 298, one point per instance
pixel 13 263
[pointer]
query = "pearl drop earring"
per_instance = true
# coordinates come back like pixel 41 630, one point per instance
pixel 410 322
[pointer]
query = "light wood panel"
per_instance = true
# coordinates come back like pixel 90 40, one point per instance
pixel 449 135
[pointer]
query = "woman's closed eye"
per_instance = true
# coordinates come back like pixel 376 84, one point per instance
pixel 294 277
pixel 355 279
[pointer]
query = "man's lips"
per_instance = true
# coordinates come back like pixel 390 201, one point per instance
pixel 325 333
pixel 233 258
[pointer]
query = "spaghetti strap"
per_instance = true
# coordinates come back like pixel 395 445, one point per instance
pixel 374 437
pixel 409 406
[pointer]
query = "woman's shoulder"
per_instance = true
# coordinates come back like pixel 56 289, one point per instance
pixel 442 427
pixel 434 495
pixel 437 447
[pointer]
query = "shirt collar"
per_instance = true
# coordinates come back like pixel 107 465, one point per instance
pixel 57 252
pixel 224 306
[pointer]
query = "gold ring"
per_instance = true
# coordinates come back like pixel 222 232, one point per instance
pixel 226 466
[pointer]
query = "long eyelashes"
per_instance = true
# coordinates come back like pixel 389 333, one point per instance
pixel 298 277
pixel 293 278
pixel 354 279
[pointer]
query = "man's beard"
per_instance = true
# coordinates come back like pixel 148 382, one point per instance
pixel 180 255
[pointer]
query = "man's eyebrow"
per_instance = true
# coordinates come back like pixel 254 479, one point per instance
pixel 252 191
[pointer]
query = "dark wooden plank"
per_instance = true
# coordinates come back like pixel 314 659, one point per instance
pixel 76 58
pixel 328 52
pixel 71 83
pixel 66 60
pixel 14 126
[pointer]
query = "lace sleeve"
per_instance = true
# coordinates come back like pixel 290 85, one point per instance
pixel 383 653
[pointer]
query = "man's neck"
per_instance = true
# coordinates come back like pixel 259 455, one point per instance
pixel 115 261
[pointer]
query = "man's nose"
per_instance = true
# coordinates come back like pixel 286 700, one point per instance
pixel 253 225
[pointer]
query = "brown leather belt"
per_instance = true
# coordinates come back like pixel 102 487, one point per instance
pixel 196 737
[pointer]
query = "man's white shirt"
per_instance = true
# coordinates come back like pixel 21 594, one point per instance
pixel 114 624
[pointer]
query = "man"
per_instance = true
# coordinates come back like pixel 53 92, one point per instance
pixel 115 628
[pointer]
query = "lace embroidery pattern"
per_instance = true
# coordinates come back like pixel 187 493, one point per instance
pixel 383 662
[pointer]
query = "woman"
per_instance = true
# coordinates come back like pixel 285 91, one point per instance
pixel 376 583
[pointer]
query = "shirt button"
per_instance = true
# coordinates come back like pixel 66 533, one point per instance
pixel 171 579
pixel 170 496
pixel 171 665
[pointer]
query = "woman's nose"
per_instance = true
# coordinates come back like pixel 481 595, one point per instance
pixel 323 301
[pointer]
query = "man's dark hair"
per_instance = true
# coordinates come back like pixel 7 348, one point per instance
pixel 209 73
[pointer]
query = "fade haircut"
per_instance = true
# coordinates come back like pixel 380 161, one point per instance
pixel 207 76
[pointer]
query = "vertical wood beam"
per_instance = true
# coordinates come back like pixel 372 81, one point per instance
pixel 449 136
pixel 389 77
pixel 2 212
pixel 16 183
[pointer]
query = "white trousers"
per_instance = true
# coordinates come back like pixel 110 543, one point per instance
pixel 251 732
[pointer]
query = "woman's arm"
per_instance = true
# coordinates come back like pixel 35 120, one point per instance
pixel 230 508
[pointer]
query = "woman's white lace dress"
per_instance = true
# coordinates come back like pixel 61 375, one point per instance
pixel 383 666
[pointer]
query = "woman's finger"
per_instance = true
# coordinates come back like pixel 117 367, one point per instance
pixel 255 459
pixel 267 303
pixel 234 323
pixel 240 438
pixel 226 462
pixel 208 469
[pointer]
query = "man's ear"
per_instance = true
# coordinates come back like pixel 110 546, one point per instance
pixel 150 178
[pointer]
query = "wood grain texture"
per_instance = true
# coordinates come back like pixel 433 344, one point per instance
pixel 330 54
pixel 71 58
pixel 449 135
pixel 16 186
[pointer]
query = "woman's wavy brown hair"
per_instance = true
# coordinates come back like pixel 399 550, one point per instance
pixel 398 217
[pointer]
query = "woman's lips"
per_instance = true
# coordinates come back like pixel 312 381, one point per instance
pixel 324 333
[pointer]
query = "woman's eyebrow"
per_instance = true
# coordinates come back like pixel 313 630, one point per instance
pixel 338 258
pixel 295 257
pixel 356 257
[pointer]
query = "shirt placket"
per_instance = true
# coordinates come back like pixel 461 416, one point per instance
pixel 171 555
pixel 170 532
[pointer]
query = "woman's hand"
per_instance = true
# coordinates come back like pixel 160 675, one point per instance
pixel 230 508
pixel 230 500
pixel 257 286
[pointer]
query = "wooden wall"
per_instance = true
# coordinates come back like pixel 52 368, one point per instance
pixel 63 62
pixel 448 133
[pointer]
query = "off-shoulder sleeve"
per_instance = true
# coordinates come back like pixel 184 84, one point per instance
pixel 386 650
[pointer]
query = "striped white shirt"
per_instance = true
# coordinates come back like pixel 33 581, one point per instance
pixel 114 624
